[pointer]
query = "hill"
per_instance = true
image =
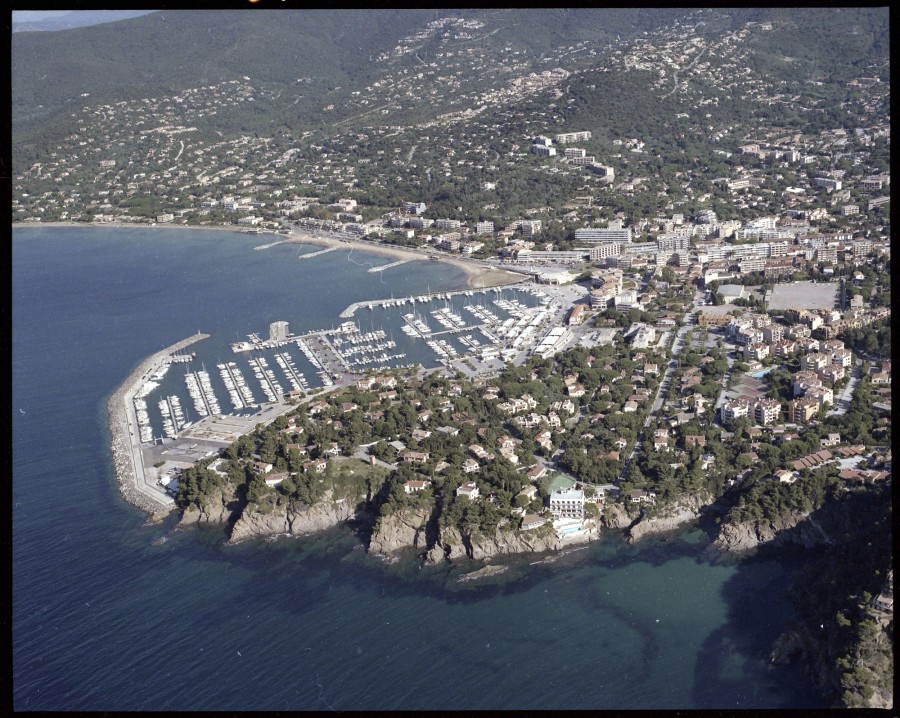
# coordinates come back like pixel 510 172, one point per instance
pixel 313 58
pixel 54 21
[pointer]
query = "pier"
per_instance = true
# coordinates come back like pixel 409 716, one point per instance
pixel 387 266
pixel 427 296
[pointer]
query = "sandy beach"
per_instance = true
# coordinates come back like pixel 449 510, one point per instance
pixel 478 274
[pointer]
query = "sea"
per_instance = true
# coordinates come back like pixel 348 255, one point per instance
pixel 106 617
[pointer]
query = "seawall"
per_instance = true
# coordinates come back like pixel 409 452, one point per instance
pixel 125 440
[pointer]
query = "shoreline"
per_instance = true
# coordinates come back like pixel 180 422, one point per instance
pixel 477 275
pixel 124 437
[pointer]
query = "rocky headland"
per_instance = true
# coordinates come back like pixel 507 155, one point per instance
pixel 747 536
pixel 669 518
pixel 296 519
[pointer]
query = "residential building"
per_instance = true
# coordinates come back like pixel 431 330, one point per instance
pixel 588 234
pixel 470 489
pixel 735 408
pixel 567 137
pixel 567 503
pixel 412 487
pixel 766 411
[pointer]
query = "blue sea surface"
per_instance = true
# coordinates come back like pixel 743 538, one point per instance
pixel 105 619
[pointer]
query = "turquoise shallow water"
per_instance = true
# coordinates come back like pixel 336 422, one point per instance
pixel 105 620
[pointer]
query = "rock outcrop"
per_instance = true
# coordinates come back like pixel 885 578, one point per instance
pixel 294 519
pixel 615 517
pixel 674 517
pixel 452 544
pixel 791 645
pixel 796 527
pixel 401 529
pixel 217 509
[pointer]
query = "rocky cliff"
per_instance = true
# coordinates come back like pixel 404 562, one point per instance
pixel 217 509
pixel 796 527
pixel 673 517
pixel 452 544
pixel 615 517
pixel 400 529
pixel 294 519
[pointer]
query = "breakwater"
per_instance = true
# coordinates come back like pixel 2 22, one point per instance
pixel 317 253
pixel 388 266
pixel 125 439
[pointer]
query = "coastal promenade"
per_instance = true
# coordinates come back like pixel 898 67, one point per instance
pixel 125 440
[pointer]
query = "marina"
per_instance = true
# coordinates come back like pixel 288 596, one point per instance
pixel 200 390
pixel 172 416
pixel 238 391
pixel 294 377
pixel 474 330
pixel 266 378
pixel 428 296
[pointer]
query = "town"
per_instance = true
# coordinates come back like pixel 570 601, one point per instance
pixel 748 290
pixel 676 306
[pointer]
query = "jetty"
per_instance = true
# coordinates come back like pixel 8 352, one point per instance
pixel 272 244
pixel 388 266
pixel 318 253
pixel 125 438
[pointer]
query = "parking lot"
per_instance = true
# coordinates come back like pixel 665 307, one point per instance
pixel 804 295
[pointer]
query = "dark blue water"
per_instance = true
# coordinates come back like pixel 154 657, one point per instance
pixel 104 620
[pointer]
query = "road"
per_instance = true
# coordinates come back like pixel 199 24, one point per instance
pixel 842 403
pixel 689 66
pixel 362 453
pixel 664 383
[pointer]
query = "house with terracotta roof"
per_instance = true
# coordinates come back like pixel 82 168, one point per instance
pixel 412 487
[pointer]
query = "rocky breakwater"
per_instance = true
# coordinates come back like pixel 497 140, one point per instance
pixel 670 518
pixel 295 519
pixel 124 436
pixel 746 536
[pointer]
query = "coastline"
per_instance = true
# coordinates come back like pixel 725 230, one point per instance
pixel 124 436
pixel 478 276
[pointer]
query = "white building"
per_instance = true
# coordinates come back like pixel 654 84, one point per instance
pixel 567 503
pixel 589 234
pixel 566 137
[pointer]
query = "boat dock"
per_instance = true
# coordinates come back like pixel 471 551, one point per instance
pixel 372 270
pixel 372 303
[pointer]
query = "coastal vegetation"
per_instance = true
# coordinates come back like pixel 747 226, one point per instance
pixel 834 594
